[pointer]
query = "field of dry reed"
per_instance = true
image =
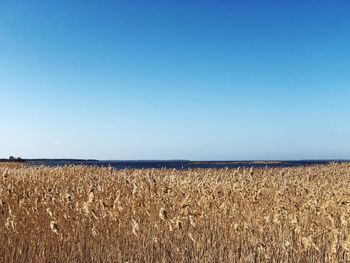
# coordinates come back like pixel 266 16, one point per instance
pixel 87 214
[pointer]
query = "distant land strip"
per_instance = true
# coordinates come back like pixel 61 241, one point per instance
pixel 121 161
pixel 238 162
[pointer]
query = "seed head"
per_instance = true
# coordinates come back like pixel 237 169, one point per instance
pixel 54 227
pixel 163 214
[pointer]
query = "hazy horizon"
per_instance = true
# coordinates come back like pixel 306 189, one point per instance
pixel 170 160
pixel 159 80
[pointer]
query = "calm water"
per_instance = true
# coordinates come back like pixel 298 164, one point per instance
pixel 177 164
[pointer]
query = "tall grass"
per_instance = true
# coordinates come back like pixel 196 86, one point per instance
pixel 85 214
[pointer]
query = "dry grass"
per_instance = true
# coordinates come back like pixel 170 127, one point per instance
pixel 84 214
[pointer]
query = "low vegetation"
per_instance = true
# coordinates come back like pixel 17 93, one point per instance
pixel 86 214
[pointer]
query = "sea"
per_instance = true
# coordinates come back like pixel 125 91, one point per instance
pixel 177 164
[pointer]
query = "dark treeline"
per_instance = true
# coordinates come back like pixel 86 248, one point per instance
pixel 13 159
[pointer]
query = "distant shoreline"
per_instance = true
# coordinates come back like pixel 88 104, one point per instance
pixel 237 162
pixel 174 160
pixel 245 162
pixel 169 164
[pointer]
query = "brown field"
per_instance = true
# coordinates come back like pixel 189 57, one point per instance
pixel 82 214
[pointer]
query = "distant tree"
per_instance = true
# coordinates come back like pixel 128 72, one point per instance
pixel 18 159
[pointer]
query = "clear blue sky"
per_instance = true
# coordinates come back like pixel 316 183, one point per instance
pixel 201 80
